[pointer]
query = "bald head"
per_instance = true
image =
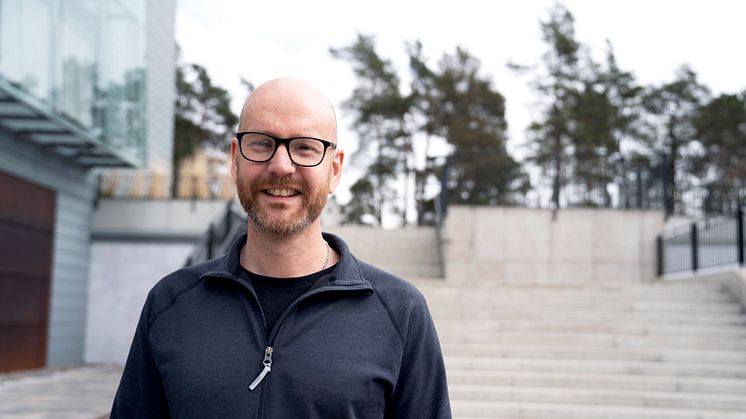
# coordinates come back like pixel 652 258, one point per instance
pixel 289 107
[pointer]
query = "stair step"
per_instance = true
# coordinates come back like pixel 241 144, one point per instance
pixel 599 353
pixel 646 294
pixel 596 366
pixel 592 326
pixel 464 409
pixel 606 397
pixel 602 306
pixel 457 377
pixel 595 339
pixel 589 315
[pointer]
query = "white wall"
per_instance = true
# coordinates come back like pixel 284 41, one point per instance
pixel 165 217
pixel 135 243
pixel 520 244
pixel 121 274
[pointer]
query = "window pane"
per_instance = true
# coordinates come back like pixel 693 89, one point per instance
pixel 20 45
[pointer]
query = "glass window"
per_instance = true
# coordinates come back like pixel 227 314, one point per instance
pixel 85 59
pixel 77 58
pixel 30 71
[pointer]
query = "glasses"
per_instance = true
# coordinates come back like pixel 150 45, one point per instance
pixel 303 151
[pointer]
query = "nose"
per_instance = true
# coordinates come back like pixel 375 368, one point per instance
pixel 281 163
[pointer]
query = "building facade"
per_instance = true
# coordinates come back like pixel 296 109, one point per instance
pixel 84 86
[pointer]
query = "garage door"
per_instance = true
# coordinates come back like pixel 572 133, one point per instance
pixel 26 234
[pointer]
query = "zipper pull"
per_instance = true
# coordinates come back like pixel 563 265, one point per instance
pixel 267 368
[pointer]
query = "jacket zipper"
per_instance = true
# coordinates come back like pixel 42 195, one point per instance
pixel 267 361
pixel 267 368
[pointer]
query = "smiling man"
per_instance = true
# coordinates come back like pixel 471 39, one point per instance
pixel 288 323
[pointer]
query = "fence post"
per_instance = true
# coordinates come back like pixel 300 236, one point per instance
pixel 659 251
pixel 740 238
pixel 695 246
pixel 194 193
pixel 444 188
pixel 97 192
pixel 638 181
pixel 210 239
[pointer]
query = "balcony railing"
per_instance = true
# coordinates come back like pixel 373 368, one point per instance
pixel 155 187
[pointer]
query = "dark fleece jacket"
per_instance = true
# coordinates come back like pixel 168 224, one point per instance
pixel 359 344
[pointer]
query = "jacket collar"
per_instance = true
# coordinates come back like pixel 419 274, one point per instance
pixel 346 273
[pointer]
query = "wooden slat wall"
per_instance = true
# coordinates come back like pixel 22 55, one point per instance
pixel 26 228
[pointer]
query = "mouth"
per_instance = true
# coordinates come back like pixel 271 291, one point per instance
pixel 281 192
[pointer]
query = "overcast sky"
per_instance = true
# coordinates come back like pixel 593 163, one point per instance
pixel 652 38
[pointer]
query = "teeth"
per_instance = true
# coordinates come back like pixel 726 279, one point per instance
pixel 282 192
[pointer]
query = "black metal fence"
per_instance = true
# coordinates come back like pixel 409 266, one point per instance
pixel 219 235
pixel 705 243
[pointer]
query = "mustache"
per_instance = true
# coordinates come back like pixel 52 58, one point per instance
pixel 274 181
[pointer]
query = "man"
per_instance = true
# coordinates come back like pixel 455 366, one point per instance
pixel 287 324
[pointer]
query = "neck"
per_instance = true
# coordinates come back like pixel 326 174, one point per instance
pixel 291 256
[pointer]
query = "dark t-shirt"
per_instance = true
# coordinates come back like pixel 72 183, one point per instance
pixel 277 294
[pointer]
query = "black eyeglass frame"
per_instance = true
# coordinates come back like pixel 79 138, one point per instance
pixel 279 141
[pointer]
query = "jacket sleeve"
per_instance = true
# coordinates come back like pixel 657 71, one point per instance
pixel 421 390
pixel 140 393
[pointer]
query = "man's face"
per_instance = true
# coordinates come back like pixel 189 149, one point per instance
pixel 282 204
pixel 279 197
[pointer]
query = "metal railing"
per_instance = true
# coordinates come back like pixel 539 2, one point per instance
pixel 440 215
pixel 219 235
pixel 149 186
pixel 705 243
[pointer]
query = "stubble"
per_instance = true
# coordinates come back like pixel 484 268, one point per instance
pixel 269 219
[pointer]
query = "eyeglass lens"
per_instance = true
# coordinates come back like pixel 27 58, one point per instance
pixel 303 151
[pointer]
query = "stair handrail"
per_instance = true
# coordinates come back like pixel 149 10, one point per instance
pixel 219 235
pixel 689 239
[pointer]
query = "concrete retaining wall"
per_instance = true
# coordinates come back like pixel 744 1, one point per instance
pixel 518 244
pixel 121 275
pixel 409 253
pixel 162 218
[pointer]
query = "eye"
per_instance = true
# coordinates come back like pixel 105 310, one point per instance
pixel 307 146
pixel 257 142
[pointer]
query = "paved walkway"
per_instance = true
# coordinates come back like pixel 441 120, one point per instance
pixel 77 393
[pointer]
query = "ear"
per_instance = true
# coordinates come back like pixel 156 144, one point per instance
pixel 336 169
pixel 234 155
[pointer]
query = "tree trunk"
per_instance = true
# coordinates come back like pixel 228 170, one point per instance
pixel 557 169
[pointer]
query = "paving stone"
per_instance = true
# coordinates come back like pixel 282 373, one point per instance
pixel 83 392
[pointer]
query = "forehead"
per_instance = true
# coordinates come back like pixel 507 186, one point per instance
pixel 283 124
pixel 285 111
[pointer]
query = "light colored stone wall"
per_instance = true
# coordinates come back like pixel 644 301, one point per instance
pixel 121 274
pixel 516 244
pixel 409 253
pixel 137 217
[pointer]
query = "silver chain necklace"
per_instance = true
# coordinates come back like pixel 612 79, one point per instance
pixel 326 259
pixel 328 252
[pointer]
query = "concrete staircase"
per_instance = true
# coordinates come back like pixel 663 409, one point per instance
pixel 591 350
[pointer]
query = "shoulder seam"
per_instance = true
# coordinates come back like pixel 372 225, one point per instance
pixel 171 303
pixel 391 318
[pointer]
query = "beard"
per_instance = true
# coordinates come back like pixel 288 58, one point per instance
pixel 273 220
